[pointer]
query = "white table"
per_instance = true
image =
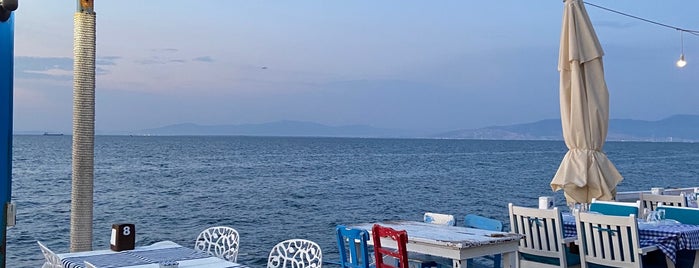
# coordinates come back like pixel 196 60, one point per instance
pixel 146 257
pixel 456 243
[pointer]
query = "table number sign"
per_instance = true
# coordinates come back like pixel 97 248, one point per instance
pixel 123 236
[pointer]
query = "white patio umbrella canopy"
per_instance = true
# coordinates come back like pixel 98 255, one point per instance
pixel 585 171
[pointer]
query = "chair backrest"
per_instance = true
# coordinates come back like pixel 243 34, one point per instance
pixel 52 260
pixel 401 239
pixel 613 208
pixel 295 253
pixel 219 241
pixel 480 222
pixel 651 200
pixel 354 242
pixel 441 219
pixel 543 234
pixel 684 215
pixel 608 240
pixel 678 191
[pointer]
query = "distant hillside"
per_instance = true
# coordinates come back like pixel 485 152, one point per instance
pixel 680 128
pixel 279 128
pixel 674 128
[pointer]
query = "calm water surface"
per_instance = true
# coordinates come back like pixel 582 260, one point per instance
pixel 272 189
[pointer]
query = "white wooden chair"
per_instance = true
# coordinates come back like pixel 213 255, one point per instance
pixel 678 191
pixel 543 244
pixel 611 241
pixel 295 253
pixel 219 241
pixel 651 201
pixel 441 219
pixel 52 260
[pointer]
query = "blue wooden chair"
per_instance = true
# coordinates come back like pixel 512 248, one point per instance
pixel 354 242
pixel 480 222
pixel 615 208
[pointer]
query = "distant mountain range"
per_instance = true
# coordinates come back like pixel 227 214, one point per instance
pixel 678 128
pixel 675 128
pixel 279 128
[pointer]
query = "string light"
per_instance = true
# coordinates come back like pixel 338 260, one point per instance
pixel 681 62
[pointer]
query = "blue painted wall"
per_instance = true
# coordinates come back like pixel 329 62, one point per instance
pixel 6 77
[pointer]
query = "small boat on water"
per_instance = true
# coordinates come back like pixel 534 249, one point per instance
pixel 52 134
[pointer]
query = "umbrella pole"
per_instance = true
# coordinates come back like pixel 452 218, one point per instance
pixel 83 127
pixel 6 76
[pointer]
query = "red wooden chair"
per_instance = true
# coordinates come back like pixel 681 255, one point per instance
pixel 400 255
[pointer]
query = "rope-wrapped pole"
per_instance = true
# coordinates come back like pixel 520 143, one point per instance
pixel 6 85
pixel 83 127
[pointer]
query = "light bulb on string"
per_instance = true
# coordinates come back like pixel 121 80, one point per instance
pixel 681 62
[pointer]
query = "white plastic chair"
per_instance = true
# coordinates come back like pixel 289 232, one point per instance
pixel 52 260
pixel 543 244
pixel 219 241
pixel 295 253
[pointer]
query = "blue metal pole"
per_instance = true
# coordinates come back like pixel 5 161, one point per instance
pixel 6 76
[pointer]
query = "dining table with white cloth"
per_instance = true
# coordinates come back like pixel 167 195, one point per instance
pixel 146 257
pixel 452 242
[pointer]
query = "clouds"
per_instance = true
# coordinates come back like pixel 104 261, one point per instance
pixel 56 68
pixel 204 59
pixel 169 56
pixel 459 64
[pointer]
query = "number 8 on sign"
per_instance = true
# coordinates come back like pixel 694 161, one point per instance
pixel 123 236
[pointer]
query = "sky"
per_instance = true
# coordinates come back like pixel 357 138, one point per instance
pixel 402 64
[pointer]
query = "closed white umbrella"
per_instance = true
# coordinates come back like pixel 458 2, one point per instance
pixel 585 171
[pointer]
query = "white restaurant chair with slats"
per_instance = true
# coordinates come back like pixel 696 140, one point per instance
pixel 52 260
pixel 611 241
pixel 651 201
pixel 543 244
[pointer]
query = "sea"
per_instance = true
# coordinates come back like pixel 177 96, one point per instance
pixel 275 188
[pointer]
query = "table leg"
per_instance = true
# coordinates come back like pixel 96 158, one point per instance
pixel 669 263
pixel 696 257
pixel 459 263
pixel 508 259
